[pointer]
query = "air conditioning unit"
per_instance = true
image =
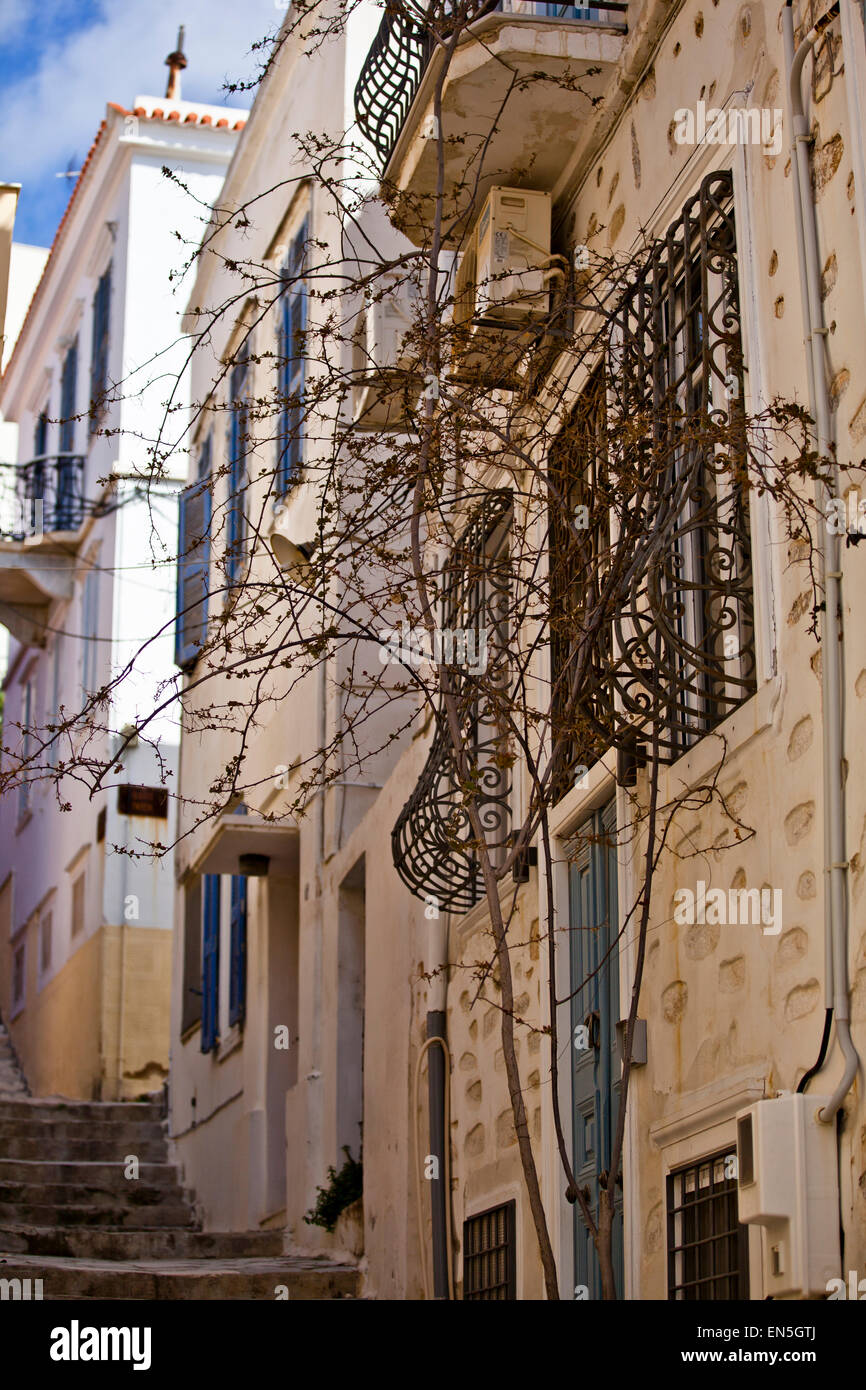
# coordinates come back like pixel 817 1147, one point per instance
pixel 503 284
pixel 506 269
pixel 788 1184
pixel 382 357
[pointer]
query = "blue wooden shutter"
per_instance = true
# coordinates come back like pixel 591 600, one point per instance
pixel 238 970
pixel 68 396
pixel 193 570
pixel 293 323
pixel 210 963
pixel 237 445
pixel 594 922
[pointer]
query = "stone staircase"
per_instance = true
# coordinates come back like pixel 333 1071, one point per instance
pixel 70 1215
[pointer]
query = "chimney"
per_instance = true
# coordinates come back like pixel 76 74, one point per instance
pixel 175 62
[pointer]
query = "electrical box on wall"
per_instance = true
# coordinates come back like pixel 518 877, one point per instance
pixel 788 1184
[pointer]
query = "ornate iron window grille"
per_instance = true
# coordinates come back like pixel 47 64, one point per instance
pixel 433 845
pixel 708 1248
pixel 402 49
pixel 679 651
pixel 489 1264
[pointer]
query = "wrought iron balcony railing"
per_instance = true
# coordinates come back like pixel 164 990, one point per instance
pixel 47 497
pixel 402 49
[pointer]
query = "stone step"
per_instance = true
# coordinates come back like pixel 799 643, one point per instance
pixel 305 1279
pixel 95 1243
pixel 119 1216
pixel 51 1149
pixel 112 1132
pixel 82 1111
pixel 60 1194
pixel 106 1176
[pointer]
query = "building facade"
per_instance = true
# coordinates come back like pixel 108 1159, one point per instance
pixel 88 575
pixel 308 974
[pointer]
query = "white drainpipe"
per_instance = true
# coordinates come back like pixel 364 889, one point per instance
pixel 836 864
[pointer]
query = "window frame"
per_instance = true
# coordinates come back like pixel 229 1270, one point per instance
pixel 78 894
pixel 90 630
pixel 237 441
pixel 193 561
pixel 25 787
pixel 68 398
pixel 99 344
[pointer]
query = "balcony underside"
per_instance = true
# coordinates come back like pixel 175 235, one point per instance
pixel 34 575
pixel 512 103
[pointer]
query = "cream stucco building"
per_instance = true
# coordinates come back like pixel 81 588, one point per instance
pixel 87 588
pixel 303 994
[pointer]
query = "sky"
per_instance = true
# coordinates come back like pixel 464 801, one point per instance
pixel 62 60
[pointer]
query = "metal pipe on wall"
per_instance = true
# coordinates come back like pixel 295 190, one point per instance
pixel 832 644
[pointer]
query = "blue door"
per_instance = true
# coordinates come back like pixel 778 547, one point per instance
pixel 594 923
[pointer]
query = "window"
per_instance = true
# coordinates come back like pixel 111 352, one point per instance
pixel 90 632
pixel 142 801
pixel 489 1264
pixel 99 348
pixel 292 326
pixel 54 712
pixel 708 1249
pixel 679 652
pixel 190 1012
pixel 25 786
pixel 78 904
pixel 677 361
pixel 19 975
pixel 40 435
pixel 45 926
pixel 578 562
pixel 210 963
pixel 238 443
pixel 594 988
pixel 193 569
pixel 238 950
pixel 68 398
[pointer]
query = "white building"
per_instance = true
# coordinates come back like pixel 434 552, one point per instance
pixel 86 931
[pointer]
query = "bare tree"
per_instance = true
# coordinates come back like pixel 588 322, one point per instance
pixel 537 510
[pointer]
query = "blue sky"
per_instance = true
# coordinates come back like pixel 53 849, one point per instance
pixel 60 63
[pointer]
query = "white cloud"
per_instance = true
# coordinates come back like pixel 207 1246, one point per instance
pixel 57 110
